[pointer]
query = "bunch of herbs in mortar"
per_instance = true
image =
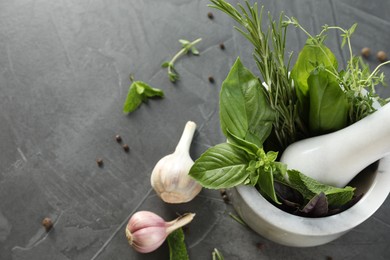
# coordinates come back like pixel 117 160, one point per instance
pixel 260 116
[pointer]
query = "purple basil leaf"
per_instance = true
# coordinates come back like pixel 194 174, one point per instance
pixel 317 206
pixel 288 194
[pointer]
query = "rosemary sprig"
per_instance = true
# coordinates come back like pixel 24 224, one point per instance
pixel 269 55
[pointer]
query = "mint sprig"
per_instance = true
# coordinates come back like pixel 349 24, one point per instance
pixel 139 92
pixel 187 47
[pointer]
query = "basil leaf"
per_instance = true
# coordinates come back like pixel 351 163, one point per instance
pixel 328 103
pixel 317 206
pixel 177 246
pixel 309 187
pixel 312 55
pixel 221 166
pixel 266 184
pixel 248 147
pixel 244 109
pixel 139 92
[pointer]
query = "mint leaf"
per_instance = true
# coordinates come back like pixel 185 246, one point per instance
pixel 221 166
pixel 309 187
pixel 177 246
pixel 139 92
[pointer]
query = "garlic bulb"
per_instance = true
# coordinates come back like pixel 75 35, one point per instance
pixel 170 177
pixel 146 231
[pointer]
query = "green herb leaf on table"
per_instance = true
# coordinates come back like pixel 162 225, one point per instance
pixel 139 92
pixel 177 246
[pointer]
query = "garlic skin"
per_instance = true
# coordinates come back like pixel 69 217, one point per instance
pixel 170 177
pixel 146 231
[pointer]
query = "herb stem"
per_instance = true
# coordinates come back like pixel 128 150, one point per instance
pixel 376 70
pixel 184 50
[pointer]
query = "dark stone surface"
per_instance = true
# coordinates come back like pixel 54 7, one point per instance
pixel 64 75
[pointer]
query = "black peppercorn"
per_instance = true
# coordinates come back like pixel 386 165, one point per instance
pixel 118 138
pixel 211 79
pixel 99 162
pixel 210 15
pixel 126 148
pixel 47 223
pixel 222 46
pixel 381 55
pixel 366 52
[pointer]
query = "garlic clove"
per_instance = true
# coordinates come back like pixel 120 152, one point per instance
pixel 146 231
pixel 143 219
pixel 170 177
pixel 147 239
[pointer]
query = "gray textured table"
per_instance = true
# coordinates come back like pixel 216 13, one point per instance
pixel 64 75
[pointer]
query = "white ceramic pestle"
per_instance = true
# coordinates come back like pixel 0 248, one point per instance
pixel 336 158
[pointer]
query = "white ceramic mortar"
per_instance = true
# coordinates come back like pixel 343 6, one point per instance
pixel 287 229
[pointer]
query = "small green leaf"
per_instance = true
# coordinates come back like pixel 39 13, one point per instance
pixel 177 246
pixel 138 92
pixel 344 41
pixel 352 29
pixel 165 64
pixel 194 51
pixel 184 43
pixel 221 166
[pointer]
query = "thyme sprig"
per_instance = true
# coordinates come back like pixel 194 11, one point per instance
pixel 357 79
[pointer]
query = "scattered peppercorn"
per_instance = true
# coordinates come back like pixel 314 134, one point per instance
pixel 211 79
pixel 381 55
pixel 118 138
pixel 47 223
pixel 210 15
pixel 224 196
pixel 126 148
pixel 226 199
pixel 99 162
pixel 366 52
pixel 222 46
pixel 260 246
